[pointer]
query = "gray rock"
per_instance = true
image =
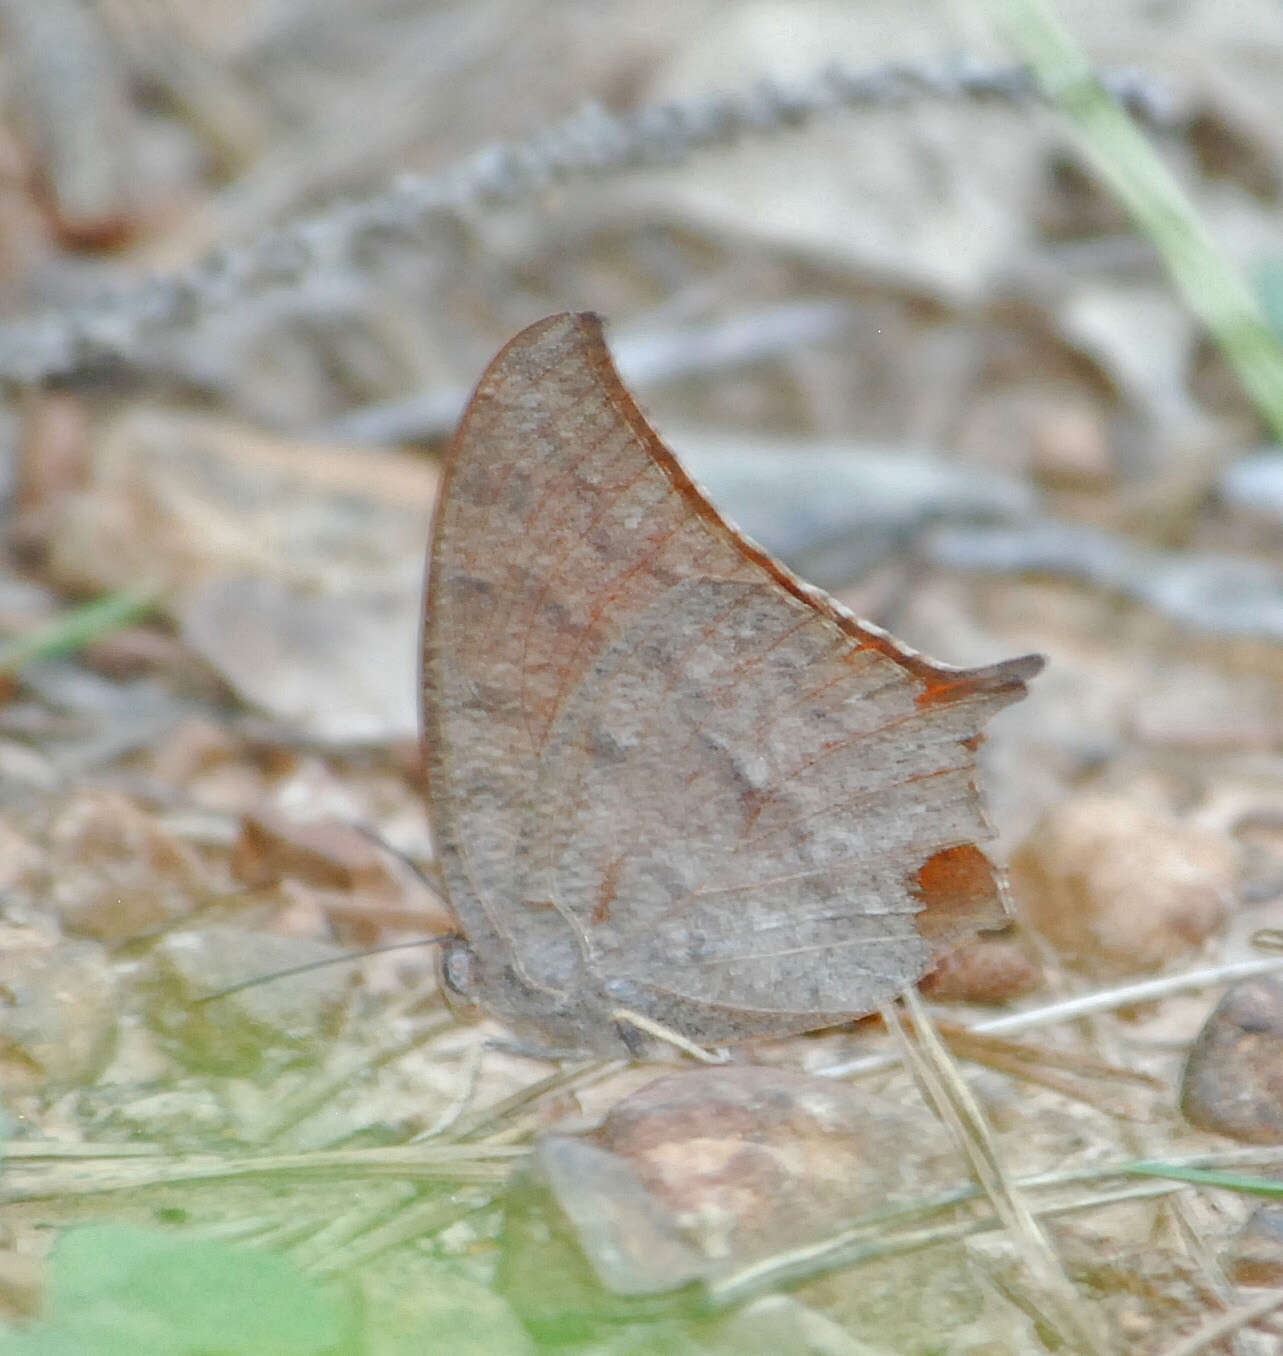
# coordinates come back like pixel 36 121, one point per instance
pixel 254 1031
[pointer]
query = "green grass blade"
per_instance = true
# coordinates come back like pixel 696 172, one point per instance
pixel 1212 288
pixel 1248 1186
pixel 76 628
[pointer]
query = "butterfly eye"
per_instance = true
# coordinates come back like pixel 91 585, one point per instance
pixel 457 969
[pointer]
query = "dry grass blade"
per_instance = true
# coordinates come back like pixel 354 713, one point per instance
pixel 968 1043
pixel 347 1066
pixel 415 1220
pixel 499 1123
pixel 375 1206
pixel 947 1093
pixel 1228 1324
pixel 131 327
pixel 874 1239
pixel 1082 1005
pixel 484 1163
pixel 462 1099
pixel 1064 1072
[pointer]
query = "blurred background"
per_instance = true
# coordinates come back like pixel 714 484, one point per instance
pixel 887 303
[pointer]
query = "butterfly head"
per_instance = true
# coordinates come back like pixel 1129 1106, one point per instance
pixel 458 975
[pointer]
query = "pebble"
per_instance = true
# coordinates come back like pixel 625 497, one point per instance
pixel 701 1172
pixel 58 1015
pixel 1233 1080
pixel 1119 888
pixel 116 873
pixel 986 969
pixel 1256 1255
pixel 258 1030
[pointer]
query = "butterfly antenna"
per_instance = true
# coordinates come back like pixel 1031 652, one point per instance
pixel 321 964
pixel 426 878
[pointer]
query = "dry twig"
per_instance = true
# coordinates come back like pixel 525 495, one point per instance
pixel 139 329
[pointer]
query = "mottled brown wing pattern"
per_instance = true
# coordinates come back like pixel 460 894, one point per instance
pixel 666 775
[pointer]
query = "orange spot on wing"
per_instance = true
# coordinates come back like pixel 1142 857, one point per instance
pixel 960 893
pixel 941 690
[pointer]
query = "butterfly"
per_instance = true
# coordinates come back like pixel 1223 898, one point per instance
pixel 671 784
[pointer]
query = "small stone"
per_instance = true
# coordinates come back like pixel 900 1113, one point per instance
pixel 1233 1082
pixel 1256 1255
pixel 326 853
pixel 116 873
pixel 22 1285
pixel 1254 484
pixel 783 1326
pixel 442 1311
pixel 1119 888
pixel 286 1019
pixel 1071 447
pixel 179 1116
pixel 755 1159
pixel 986 969
pixel 631 1239
pixel 21 862
pixel 193 748
pixel 701 1172
pixel 58 1015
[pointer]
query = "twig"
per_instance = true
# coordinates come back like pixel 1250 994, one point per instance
pixel 68 92
pixel 643 360
pixel 1212 592
pixel 141 327
pixel 1084 1005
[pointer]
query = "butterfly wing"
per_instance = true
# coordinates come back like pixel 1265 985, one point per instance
pixel 752 814
pixel 663 771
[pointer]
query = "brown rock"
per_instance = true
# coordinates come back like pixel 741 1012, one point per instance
pixel 1256 1255
pixel 702 1172
pixel 1119 888
pixel 57 1015
pixel 116 873
pixel 1071 446
pixel 987 969
pixel 323 852
pixel 288 565
pixel 1233 1082
pixel 765 1156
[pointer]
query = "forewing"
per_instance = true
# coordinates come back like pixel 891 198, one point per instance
pixel 553 524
